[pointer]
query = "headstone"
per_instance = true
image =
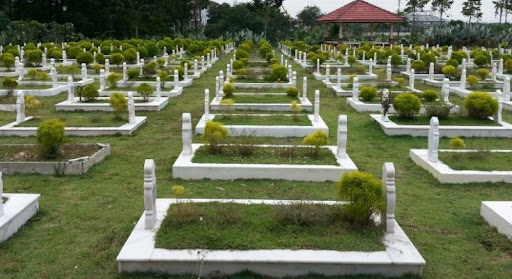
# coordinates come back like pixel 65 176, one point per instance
pixel 506 89
pixel 304 88
pixel 500 67
pixel 327 72
pixel 1 193
pixel 408 65
pixel 131 108
pixel 355 89
pixel 20 107
pixel 446 90
pixel 107 67
pixel 150 212
pixel 388 181
pixel 364 56
pixel 84 72
pixel 318 66
pixel 166 59
pixel 494 72
pixel 341 151
pixel 125 71
pixel 338 81
pixel 411 80
pixel 433 140
pixel 388 72
pixel 294 78
pixel 431 71
pixel 498 117
pixel 53 75
pixel 464 61
pixel 384 113
pixel 43 60
pixel 370 66
pixel 185 71
pixel 217 88
pixel 186 130
pixel 138 57
pixel 317 106
pixel 463 79
pixel 206 103
pixel 202 63
pixel 141 67
pixel 64 57
pixel 176 79
pixel 158 86
pixel 71 93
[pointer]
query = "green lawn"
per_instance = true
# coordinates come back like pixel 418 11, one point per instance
pixel 84 220
pixel 452 120
pixel 249 227
pixel 272 120
pixel 78 119
pixel 266 155
pixel 262 99
pixel 483 161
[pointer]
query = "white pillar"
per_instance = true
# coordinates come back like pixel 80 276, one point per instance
pixel 1 193
pixel 186 130
pixel 494 72
pixel 304 89
pixel 327 72
pixel 294 78
pixel 408 65
pixel 338 81
pixel 431 71
pixel 318 66
pixel 138 58
pixel 64 57
pixel 506 89
pixel 317 106
pixel 185 72
pixel 498 117
pixel 176 79
pixel 355 89
pixel 217 88
pixel 71 94
pixel 158 88
pixel 464 61
pixel 341 151
pixel 500 67
pixel 463 79
pixel 131 108
pixel 150 212
pixel 433 140
pixel 102 79
pixel 20 107
pixel 206 103
pixel 125 72
pixel 107 66
pixel 411 80
pixel 388 72
pixel 446 90
pixel 388 181
pixel 141 66
pixel 196 71
pixel 84 72
pixel 53 75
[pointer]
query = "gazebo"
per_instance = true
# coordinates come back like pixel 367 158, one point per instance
pixel 360 11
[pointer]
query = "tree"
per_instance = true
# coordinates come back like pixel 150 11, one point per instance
pixel 442 6
pixel 308 15
pixel 472 9
pixel 412 6
pixel 269 9
pixel 499 6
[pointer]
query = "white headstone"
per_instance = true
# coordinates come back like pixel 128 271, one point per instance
pixel 131 108
pixel 158 86
pixel 217 88
pixel 463 79
pixel 388 72
pixel 20 107
pixel 500 67
pixel 196 71
pixel 433 140
pixel 53 75
pixel 327 72
pixel 318 66
pixel 446 90
pixel 125 71
pixel 107 66
pixel 506 89
pixel 498 117
pixel 150 212
pixel 355 89
pixel 431 71
pixel 388 181
pixel 408 65
pixel 304 88
pixel 206 103
pixel 341 151
pixel 338 81
pixel 185 71
pixel 1 193
pixel 370 66
pixel 84 72
pixel 141 67
pixel 186 130
pixel 494 72
pixel 71 94
pixel 317 106
pixel 102 79
pixel 176 79
pixel 411 79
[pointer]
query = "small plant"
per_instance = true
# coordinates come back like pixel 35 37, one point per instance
pixel 96 67
pixel 480 105
pixel 237 65
pixel 351 60
pixel 482 73
pixel 10 84
pixel 453 63
pixel 363 193
pixel 90 92
pixel 178 191
pixel 116 59
pixel 113 78
pixel 472 81
pixel 120 104
pixel 8 60
pixel 401 81
pixel 368 93
pixel 32 73
pixel 440 109
pixel 481 60
pixel 32 105
pixel 292 92
pixel 130 55
pixel 145 90
pixel 227 106
pixel 84 57
pixel 133 73
pixel 50 136
pixel 296 109
pixel 214 135
pixel 457 143
pixel 279 73
pixel 429 95
pixel 407 105
pixel 149 69
pixel 317 139
pixel 42 76
pixel 228 89
pixel 418 65
pixel 449 71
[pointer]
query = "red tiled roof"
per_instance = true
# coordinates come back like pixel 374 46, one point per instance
pixel 360 11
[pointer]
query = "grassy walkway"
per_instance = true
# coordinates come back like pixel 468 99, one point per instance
pixel 84 221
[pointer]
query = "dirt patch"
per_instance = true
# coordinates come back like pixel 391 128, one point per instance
pixel 24 153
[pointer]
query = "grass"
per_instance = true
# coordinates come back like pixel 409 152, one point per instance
pixel 452 120
pixel 482 161
pixel 8 99
pixel 78 119
pixel 84 220
pixel 266 155
pixel 262 99
pixel 254 227
pixel 31 153
pixel 272 120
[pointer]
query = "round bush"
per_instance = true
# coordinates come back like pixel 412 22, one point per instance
pixel 228 89
pixel 430 95
pixel 84 57
pixel 50 136
pixel 214 134
pixel 279 73
pixel 241 54
pixel 34 56
pixel 116 59
pixel 459 55
pixel 482 73
pixel 453 62
pixel 364 195
pixel 149 69
pixel 120 104
pixel 145 90
pixel 351 60
pixel 457 143
pixel 133 73
pixel 396 59
pixel 8 60
pixel 316 139
pixel 480 105
pixel 90 92
pixel 472 80
pixel 130 55
pixel 481 60
pixel 100 58
pixel 368 93
pixel 508 64
pixel 449 70
pixel 237 65
pixel 292 92
pixel 407 104
pixel 113 78
pixel 418 65
pixel 439 109
pixel 428 58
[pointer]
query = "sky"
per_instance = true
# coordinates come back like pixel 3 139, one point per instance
pixel 295 6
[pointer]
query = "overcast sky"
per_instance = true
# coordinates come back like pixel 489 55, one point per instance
pixel 294 6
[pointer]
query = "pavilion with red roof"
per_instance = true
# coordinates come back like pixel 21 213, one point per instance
pixel 360 11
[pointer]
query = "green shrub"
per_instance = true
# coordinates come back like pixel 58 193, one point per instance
pixel 396 59
pixel 160 61
pixel 429 95
pixel 237 65
pixel 10 84
pixel 449 71
pixel 228 89
pixel 149 69
pixel 90 92
pixel 116 59
pixel 214 135
pixel 368 93
pixel 96 68
pixel 163 75
pixel 351 60
pixel 85 57
pixel 32 105
pixel 508 64
pixel 296 109
pixel 453 63
pixel 100 58
pixel 183 62
pixel 363 194
pixel 241 54
pixel 72 52
pixel 42 76
pixel 482 73
pixel 418 65
pixel 8 60
pixel 273 61
pixel 56 54
pixel 133 73
pixel 181 72
pixel 32 73
pixel 316 139
pixel 440 109
pixel 292 92
pixel 459 56
pixel 269 57
pixel 113 78
pixel 279 73
pixel 130 55
pixel 145 90
pixel 407 104
pixel 457 143
pixel 242 72
pixel 34 56
pixel 480 105
pixel 481 60
pixel 120 104
pixel 401 81
pixel 50 136
pixel 472 81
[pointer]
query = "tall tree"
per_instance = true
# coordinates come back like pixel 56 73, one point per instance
pixel 499 6
pixel 268 9
pixel 442 6
pixel 472 9
pixel 308 15
pixel 412 7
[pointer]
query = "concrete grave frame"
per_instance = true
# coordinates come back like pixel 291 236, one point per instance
pixel 184 168
pixel 139 253
pixel 154 104
pixel 18 209
pixel 77 166
pixel 498 214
